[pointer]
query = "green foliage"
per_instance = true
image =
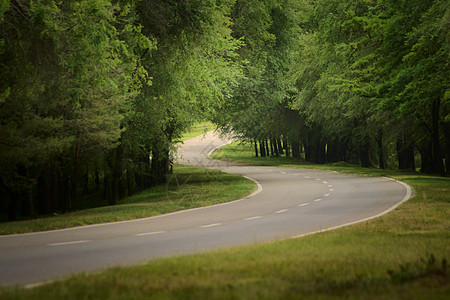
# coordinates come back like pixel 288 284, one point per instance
pixel 93 94
pixel 91 106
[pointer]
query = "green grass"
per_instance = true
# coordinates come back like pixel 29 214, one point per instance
pixel 401 255
pixel 244 153
pixel 198 129
pixel 186 188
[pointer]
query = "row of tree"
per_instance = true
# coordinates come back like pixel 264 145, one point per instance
pixel 94 93
pixel 345 80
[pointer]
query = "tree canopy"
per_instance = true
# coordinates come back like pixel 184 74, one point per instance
pixel 95 93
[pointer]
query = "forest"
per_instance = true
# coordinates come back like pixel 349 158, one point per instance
pixel 94 94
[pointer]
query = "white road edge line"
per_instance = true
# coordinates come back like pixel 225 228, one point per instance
pixel 149 233
pixel 405 198
pixel 210 225
pixel 69 243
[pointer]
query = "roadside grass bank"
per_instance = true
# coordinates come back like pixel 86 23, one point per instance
pixel 197 129
pixel 187 187
pixel 244 153
pixel 401 255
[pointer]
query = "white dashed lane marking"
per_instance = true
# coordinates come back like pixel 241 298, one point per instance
pixel 210 225
pixel 281 211
pixel 252 218
pixel 70 243
pixel 304 204
pixel 149 233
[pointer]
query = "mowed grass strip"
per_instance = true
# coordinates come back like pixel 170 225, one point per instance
pixel 186 188
pixel 402 255
pixel 198 129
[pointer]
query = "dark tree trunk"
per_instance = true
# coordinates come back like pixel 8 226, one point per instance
pixel 286 147
pixel 438 166
pixel 280 147
pixel 365 155
pixel 73 176
pixel 255 142
pixel 262 148
pixel 295 149
pixel 271 148
pixel 131 182
pixel 426 153
pixel 405 154
pixel 12 209
pixel 159 164
pixel 381 150
pixel 107 186
pixel 97 180
pixel 275 146
pixel 44 193
pixel 85 181
pixel 55 189
pixel 447 146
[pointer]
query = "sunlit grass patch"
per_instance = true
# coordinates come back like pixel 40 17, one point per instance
pixel 197 129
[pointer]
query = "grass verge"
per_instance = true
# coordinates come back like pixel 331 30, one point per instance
pixel 402 255
pixel 197 129
pixel 187 187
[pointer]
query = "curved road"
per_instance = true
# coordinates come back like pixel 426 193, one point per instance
pixel 288 203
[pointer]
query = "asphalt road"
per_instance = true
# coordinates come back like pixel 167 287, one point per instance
pixel 288 203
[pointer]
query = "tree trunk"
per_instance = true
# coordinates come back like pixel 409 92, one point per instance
pixel 447 146
pixel 295 149
pixel 71 186
pixel 271 148
pixel 256 147
pixel 405 154
pixel 275 147
pixel 365 155
pixel 438 166
pixel 381 150
pixel 286 147
pixel 159 164
pixel 262 148
pixel 280 147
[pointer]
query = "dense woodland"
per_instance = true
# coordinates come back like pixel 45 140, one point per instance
pixel 95 93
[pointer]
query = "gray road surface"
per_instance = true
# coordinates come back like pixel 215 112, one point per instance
pixel 288 203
